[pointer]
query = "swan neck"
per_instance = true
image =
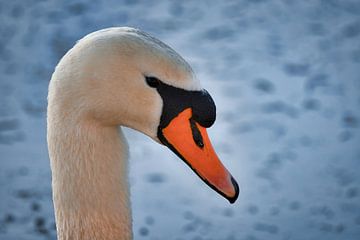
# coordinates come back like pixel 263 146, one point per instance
pixel 89 181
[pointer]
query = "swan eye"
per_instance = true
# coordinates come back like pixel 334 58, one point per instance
pixel 152 81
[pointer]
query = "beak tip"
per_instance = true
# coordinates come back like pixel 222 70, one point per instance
pixel 237 191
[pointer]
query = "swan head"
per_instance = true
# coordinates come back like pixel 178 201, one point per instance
pixel 123 76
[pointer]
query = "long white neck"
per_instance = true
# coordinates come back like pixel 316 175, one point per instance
pixel 89 180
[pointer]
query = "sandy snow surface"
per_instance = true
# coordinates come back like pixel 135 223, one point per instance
pixel 285 76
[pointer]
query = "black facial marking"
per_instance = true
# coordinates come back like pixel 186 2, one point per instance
pixel 176 100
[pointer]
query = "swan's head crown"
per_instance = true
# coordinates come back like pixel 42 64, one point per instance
pixel 153 57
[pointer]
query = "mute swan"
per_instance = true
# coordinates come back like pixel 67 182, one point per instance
pixel 121 77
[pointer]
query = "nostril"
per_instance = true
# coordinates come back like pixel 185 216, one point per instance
pixel 196 133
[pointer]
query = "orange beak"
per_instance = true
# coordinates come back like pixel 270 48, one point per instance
pixel 190 142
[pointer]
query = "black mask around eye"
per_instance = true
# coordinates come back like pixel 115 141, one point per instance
pixel 176 100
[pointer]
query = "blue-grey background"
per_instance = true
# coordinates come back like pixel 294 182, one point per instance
pixel 285 75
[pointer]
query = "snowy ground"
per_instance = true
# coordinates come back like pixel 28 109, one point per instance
pixel 285 75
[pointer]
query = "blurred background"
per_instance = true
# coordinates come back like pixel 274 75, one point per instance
pixel 285 76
